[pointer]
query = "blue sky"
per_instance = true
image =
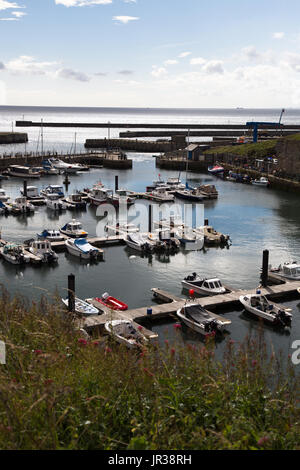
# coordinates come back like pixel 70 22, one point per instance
pixel 189 53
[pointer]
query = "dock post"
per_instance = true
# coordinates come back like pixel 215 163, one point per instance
pixel 150 219
pixel 265 267
pixel 71 293
pixel 25 188
pixel 116 183
pixel 206 222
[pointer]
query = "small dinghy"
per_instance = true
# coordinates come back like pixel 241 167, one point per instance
pixel 111 302
pixel 74 229
pixel 75 202
pixel 14 254
pixel 139 242
pixel 261 307
pixel 55 203
pixel 125 332
pixel 264 182
pixel 203 286
pixel 82 307
pixel 190 240
pixel 51 235
pixel 216 170
pixel 22 206
pixel 82 248
pixel 200 320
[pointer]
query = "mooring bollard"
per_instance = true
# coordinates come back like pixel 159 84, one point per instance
pixel 265 268
pixel 150 219
pixel 149 311
pixel 206 222
pixel 71 293
pixel 25 188
pixel 116 183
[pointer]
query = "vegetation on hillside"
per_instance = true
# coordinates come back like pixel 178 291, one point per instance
pixel 262 149
pixel 60 391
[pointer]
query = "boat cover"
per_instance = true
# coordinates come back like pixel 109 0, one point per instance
pixel 83 245
pixel 197 313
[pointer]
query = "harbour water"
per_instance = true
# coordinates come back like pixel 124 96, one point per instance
pixel 255 218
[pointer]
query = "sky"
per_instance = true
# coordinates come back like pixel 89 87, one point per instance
pixel 150 53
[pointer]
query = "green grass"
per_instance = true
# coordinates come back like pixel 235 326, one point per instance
pixel 259 150
pixel 58 391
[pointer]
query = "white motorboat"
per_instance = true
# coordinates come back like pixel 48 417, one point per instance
pixel 63 166
pixel 200 320
pixel 139 242
pixel 42 249
pixel 55 203
pixel 75 202
pixel 21 205
pixel 53 189
pixel 261 307
pixel 175 183
pixel 23 172
pixel 264 182
pixel 32 193
pixel 288 271
pixel 48 169
pixel 74 229
pixel 81 248
pixel 14 254
pixel 100 195
pixel 126 333
pixel 3 196
pixel 120 228
pixel 51 235
pixel 211 236
pixel 211 286
pixel 190 240
pixel 161 192
pixel 82 307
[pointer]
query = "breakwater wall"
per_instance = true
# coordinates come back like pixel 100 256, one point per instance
pixel 120 125
pixel 180 164
pixel 89 158
pixel 130 145
pixel 207 133
pixel 13 138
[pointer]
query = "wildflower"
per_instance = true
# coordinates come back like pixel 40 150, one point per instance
pixel 140 328
pixel 254 363
pixel 38 352
pixel 263 440
pixel 166 342
pixel 147 371
pixel 48 381
pixel 172 351
pixel 87 423
pixel 96 343
pixel 108 350
pixel 82 341
pixel 177 326
pixel 231 341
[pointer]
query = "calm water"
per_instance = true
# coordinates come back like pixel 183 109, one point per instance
pixel 255 218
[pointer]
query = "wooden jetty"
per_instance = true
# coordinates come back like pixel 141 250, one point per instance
pixel 173 303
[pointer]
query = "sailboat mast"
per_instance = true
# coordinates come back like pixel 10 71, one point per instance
pixel 187 157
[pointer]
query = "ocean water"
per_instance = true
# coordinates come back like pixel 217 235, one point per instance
pixel 255 218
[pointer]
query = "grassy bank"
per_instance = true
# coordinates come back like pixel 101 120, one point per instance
pixel 260 150
pixel 59 391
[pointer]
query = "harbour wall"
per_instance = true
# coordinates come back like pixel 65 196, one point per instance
pixel 13 138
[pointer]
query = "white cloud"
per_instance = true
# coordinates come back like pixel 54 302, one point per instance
pixel 82 3
pixel 8 19
pixel 197 61
pixel 125 19
pixel 126 72
pixel 184 54
pixel 171 62
pixel 278 35
pixel 5 5
pixel 18 14
pixel 158 72
pixel 213 66
pixel 29 65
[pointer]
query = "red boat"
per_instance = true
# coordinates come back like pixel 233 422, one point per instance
pixel 216 170
pixel 111 302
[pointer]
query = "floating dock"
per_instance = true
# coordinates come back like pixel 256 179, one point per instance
pixel 173 303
